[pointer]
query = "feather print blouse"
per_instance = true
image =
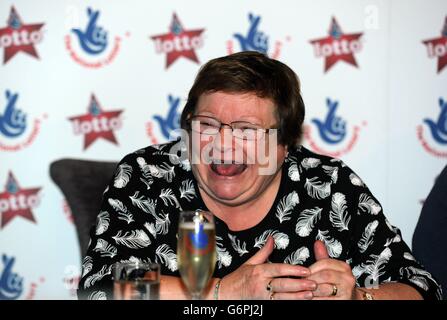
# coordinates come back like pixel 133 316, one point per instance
pixel 319 198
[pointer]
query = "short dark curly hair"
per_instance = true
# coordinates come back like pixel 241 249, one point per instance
pixel 253 72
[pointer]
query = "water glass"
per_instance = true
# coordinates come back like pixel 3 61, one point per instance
pixel 136 281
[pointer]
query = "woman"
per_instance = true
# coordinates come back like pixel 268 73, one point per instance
pixel 290 224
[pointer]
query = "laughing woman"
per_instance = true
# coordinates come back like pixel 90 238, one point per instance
pixel 290 223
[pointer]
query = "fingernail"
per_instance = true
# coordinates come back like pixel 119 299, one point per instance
pixel 308 295
pixel 305 272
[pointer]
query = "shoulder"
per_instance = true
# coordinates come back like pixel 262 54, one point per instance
pixel 324 178
pixel 170 154
pixel 309 159
pixel 310 164
pixel 441 181
pixel 153 168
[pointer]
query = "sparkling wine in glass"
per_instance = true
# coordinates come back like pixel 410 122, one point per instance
pixel 196 250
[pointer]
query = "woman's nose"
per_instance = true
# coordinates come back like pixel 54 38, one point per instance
pixel 224 140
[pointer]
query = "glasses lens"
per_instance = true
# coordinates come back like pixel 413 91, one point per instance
pixel 240 129
pixel 246 130
pixel 205 125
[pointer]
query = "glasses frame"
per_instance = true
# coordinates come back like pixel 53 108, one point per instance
pixel 230 125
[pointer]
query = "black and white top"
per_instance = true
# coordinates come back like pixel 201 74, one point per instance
pixel 319 198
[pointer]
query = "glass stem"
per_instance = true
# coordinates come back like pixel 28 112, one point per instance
pixel 196 296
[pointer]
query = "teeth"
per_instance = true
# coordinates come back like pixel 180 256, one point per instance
pixel 225 162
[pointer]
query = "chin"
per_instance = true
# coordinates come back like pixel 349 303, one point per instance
pixel 226 195
pixel 228 189
pixel 225 189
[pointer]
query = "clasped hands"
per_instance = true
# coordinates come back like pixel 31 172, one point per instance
pixel 326 279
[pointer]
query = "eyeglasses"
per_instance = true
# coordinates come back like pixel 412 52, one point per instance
pixel 240 129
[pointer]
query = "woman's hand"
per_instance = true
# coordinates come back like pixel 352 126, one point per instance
pixel 257 279
pixel 334 278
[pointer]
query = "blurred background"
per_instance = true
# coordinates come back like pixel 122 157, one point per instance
pixel 96 80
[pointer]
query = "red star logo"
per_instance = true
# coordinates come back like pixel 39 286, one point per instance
pixel 17 202
pixel 437 48
pixel 17 36
pixel 97 123
pixel 337 46
pixel 178 42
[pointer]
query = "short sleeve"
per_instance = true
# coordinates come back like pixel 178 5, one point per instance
pixel 377 252
pixel 120 232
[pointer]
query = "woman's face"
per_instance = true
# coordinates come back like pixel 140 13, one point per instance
pixel 231 171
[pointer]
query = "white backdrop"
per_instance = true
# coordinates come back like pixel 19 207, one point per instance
pixel 383 98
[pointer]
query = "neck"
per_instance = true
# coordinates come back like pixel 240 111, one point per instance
pixel 248 214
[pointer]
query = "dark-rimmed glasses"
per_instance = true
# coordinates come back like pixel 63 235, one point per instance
pixel 244 130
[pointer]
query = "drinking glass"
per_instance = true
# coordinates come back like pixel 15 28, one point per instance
pixel 196 250
pixel 136 281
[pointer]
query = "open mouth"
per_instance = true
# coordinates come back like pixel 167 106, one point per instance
pixel 228 169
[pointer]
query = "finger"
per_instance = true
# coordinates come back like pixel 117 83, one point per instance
pixel 328 298
pixel 262 255
pixel 330 264
pixel 320 250
pixel 302 295
pixel 325 290
pixel 274 270
pixel 327 276
pixel 292 285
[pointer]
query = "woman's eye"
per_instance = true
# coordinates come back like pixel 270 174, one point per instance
pixel 206 124
pixel 248 129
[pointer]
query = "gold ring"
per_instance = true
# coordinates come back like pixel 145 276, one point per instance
pixel 334 290
pixel 269 287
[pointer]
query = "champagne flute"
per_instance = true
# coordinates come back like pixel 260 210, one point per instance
pixel 196 250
